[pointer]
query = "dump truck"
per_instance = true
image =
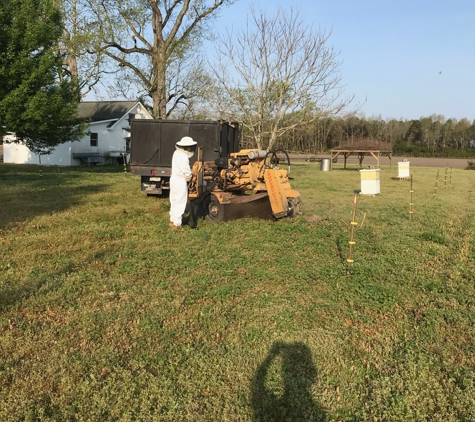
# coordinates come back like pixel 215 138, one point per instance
pixel 152 145
pixel 227 182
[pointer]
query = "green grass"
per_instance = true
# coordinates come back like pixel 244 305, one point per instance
pixel 108 315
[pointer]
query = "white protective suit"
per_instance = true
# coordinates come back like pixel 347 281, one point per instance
pixel 181 174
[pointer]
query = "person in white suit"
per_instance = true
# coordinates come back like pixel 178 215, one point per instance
pixel 181 175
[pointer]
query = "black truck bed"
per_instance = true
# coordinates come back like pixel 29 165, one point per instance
pixel 153 141
pixel 152 145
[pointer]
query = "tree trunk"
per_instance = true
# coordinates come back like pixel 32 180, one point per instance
pixel 158 91
pixel 72 64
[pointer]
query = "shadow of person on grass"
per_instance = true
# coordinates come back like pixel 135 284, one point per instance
pixel 290 398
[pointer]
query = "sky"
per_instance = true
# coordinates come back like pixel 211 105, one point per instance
pixel 401 59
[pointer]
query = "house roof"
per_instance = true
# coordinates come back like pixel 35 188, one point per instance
pixel 97 111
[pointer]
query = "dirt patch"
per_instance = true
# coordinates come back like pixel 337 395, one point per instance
pixel 313 218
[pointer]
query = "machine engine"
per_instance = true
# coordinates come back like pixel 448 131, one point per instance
pixel 247 181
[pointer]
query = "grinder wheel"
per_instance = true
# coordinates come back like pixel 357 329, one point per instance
pixel 215 210
pixel 293 208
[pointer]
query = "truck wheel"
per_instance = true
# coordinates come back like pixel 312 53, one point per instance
pixel 215 210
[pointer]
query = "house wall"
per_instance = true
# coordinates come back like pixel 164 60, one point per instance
pixel 108 140
pixel 111 136
pixel 18 153
pixel 111 142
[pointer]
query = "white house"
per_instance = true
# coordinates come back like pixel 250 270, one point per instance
pixel 107 139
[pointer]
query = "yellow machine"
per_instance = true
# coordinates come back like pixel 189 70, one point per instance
pixel 248 183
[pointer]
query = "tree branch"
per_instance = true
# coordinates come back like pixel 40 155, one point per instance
pixel 136 70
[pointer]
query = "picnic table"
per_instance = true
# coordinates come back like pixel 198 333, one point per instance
pixel 361 152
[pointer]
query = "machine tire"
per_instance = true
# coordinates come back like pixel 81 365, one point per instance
pixel 294 209
pixel 215 210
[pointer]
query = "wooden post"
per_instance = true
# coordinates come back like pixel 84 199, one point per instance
pixel 436 182
pixel 125 162
pixel 352 232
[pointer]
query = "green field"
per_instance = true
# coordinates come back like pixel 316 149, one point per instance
pixel 106 314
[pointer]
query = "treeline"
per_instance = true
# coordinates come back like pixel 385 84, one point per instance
pixel 427 136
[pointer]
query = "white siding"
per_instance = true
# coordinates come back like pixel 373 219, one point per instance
pixel 20 154
pixel 105 141
pixel 110 140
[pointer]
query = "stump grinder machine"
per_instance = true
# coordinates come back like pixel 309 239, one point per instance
pixel 248 183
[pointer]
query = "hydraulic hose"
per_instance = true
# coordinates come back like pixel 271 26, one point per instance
pixel 274 157
pixel 288 158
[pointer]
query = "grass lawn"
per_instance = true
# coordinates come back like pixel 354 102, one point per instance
pixel 106 314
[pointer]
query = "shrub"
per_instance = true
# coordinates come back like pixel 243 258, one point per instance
pixel 470 165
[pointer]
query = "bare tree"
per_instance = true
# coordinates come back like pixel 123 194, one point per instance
pixel 462 134
pixel 83 61
pixel 395 130
pixel 279 73
pixel 431 130
pixel 154 43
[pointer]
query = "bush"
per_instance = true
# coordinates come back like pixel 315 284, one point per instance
pixel 470 165
pixel 403 148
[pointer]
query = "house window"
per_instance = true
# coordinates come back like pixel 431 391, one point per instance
pixel 94 139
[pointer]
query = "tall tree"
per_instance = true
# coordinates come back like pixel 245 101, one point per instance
pixel 396 130
pixel 41 111
pixel 463 134
pixel 83 61
pixel 154 43
pixel 431 128
pixel 414 133
pixel 279 73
